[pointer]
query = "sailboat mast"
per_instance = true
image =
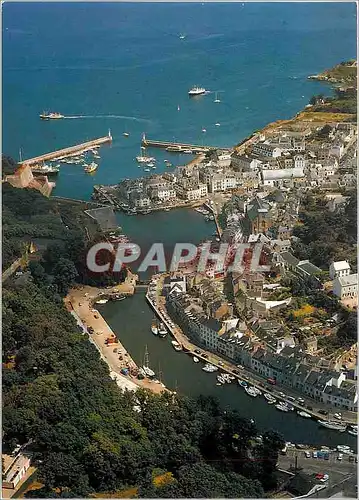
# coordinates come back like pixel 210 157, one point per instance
pixel 146 360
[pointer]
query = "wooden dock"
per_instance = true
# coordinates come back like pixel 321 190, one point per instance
pixel 180 146
pixel 63 153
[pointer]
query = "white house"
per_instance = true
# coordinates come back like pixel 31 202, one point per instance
pixel 300 161
pixel 224 160
pixel 263 149
pixel 339 269
pixel 276 177
pixel 346 286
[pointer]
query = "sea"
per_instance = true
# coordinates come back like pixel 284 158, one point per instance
pixel 123 67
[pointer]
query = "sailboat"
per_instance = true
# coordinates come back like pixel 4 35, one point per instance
pixel 142 158
pixel 216 99
pixel 146 369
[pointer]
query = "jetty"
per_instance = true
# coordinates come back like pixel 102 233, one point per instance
pixel 179 146
pixel 63 153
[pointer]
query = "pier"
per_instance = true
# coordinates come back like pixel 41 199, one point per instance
pixel 179 146
pixel 62 153
pixel 79 202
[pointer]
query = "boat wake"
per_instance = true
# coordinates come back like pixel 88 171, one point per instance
pixel 118 117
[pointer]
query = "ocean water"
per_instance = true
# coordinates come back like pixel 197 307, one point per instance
pixel 123 67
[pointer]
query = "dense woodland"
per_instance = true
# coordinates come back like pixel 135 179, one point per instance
pixel 326 236
pixel 85 435
pixel 88 436
pixel 28 216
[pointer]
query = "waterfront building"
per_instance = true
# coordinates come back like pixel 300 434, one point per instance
pixel 339 269
pixel 163 193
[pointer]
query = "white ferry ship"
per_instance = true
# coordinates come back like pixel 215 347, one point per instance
pixel 196 91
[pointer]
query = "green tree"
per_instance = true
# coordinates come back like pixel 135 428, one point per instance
pixel 64 273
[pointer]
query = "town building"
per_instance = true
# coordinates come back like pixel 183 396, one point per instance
pixel 277 177
pixel 346 287
pixel 266 150
pixel 14 469
pixel 339 269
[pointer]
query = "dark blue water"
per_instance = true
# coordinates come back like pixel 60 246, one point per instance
pixel 127 61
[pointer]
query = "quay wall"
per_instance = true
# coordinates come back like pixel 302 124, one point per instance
pixel 228 367
pixel 67 151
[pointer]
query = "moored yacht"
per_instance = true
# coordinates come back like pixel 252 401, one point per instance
pixel 162 332
pixel 209 368
pixel 334 426
pixel 176 346
pixel 304 414
pixel 252 391
pixel 154 327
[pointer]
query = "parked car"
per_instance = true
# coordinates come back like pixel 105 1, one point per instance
pixel 307 454
pixel 315 454
pixel 197 351
pixel 323 412
pixel 291 398
pixel 236 372
pixel 340 456
pixel 351 458
pixel 220 363
pixel 326 456
pixel 301 400
pixel 205 355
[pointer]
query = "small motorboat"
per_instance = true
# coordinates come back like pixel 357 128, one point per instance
pixel 154 328
pixel 242 383
pixel 304 414
pixel 162 332
pixel 126 134
pixel 251 391
pixel 176 346
pixel 282 407
pixel 195 359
